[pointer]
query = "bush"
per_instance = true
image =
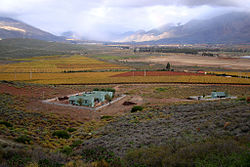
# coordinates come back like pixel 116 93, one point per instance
pixel 67 150
pixel 61 134
pixel 108 98
pixel 7 124
pixel 242 99
pixel 18 160
pixel 144 157
pixel 71 129
pixel 76 143
pixel 99 154
pixel 210 153
pixel 136 108
pixel 107 117
pixel 23 139
pixel 48 163
pixel 110 90
pixel 161 89
pixel 233 160
pixel 105 90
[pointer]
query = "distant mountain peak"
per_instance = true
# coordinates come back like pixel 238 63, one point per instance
pixel 10 28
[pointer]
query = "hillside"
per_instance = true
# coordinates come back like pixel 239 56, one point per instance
pixel 229 28
pixel 10 28
pixel 18 48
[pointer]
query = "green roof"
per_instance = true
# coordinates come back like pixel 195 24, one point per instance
pixel 218 94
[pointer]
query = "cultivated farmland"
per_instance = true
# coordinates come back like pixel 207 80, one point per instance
pixel 57 64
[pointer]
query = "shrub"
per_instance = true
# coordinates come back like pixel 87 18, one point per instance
pixel 61 134
pixel 210 153
pixel 23 139
pixel 76 143
pixel 110 90
pixel 71 129
pixel 99 154
pixel 7 124
pixel 107 117
pixel 108 98
pixel 234 160
pixel 48 163
pixel 96 89
pixel 242 99
pixel 80 101
pixel 160 89
pixel 144 157
pixel 67 150
pixel 32 164
pixel 136 108
pixel 18 160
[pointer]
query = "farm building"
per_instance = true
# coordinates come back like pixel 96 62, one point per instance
pixel 213 96
pixel 89 99
pixel 218 95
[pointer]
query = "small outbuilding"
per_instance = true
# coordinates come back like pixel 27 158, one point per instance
pixel 218 95
pixel 90 98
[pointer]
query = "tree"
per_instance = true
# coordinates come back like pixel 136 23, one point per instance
pixel 168 67
pixel 80 101
pixel 108 98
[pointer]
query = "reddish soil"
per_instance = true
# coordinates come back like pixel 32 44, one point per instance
pixel 32 96
pixel 35 92
pixel 156 73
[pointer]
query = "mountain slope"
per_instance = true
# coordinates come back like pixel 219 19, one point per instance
pixel 20 48
pixel 228 28
pixel 10 28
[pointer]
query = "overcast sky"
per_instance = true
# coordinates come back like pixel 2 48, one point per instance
pixel 98 19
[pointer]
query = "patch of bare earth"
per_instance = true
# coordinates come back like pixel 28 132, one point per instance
pixel 197 60
pixel 33 96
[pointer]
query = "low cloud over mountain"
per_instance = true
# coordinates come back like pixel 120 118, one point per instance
pixel 228 28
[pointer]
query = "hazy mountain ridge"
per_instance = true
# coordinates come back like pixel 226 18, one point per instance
pixel 228 28
pixel 10 28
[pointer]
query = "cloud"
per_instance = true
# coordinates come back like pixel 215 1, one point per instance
pixel 99 19
pixel 189 3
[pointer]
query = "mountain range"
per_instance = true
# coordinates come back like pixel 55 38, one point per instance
pixel 231 28
pixel 10 28
pixel 228 28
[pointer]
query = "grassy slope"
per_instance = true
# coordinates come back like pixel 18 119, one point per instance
pixel 18 48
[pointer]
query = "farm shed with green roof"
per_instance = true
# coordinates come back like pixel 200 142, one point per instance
pixel 218 94
pixel 89 99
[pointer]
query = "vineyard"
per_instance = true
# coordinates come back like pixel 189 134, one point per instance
pixel 107 77
pixel 156 73
pixel 57 64
pixel 240 74
pixel 84 70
